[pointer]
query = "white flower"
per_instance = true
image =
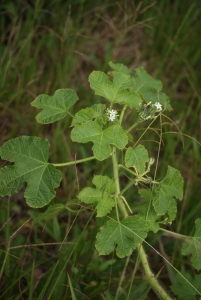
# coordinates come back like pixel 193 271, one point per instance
pixel 158 106
pixel 112 114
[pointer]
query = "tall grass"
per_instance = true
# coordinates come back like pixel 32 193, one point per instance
pixel 46 45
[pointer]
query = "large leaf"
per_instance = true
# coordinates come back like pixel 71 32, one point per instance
pixel 193 246
pixel 150 88
pixel 137 158
pixel 54 107
pixel 105 187
pixel 171 186
pixel 116 91
pixel 124 236
pixel 92 131
pixel 30 155
pixel 185 291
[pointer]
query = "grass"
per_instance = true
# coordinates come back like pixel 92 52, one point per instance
pixel 46 45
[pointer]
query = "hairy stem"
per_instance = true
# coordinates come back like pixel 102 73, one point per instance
pixel 149 274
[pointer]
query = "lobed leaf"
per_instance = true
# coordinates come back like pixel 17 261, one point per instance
pixel 124 236
pixel 105 187
pixel 92 131
pixel 193 246
pixel 96 111
pixel 185 291
pixel 163 195
pixel 54 107
pixel 150 88
pixel 136 158
pixel 30 155
pixel 116 91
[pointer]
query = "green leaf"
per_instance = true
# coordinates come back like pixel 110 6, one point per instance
pixel 121 68
pixel 193 246
pixel 50 213
pixel 116 91
pixel 183 290
pixel 96 111
pixel 124 236
pixel 171 186
pixel 54 107
pixel 136 158
pixel 92 131
pixel 30 155
pixel 150 88
pixel 105 187
pixel 147 212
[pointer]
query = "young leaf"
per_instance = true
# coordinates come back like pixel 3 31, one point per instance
pixel 171 186
pixel 150 88
pixel 105 187
pixel 54 107
pixel 96 111
pixel 116 91
pixel 183 290
pixel 136 158
pixel 124 236
pixel 193 246
pixel 92 131
pixel 30 155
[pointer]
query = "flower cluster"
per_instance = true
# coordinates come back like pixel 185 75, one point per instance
pixel 148 111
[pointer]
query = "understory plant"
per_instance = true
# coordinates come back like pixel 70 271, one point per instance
pixel 130 99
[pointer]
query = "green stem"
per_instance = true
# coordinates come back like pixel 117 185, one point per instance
pixel 122 113
pixel 149 274
pixel 74 162
pixel 119 201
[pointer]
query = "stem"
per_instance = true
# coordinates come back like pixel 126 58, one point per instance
pixel 119 201
pixel 74 162
pixel 122 113
pixel 149 274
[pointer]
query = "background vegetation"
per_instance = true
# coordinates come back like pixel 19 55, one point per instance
pixel 46 45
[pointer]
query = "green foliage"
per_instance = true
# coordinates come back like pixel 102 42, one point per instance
pixel 125 234
pixel 103 125
pixel 105 187
pixel 185 291
pixel 150 88
pixel 54 107
pixel 171 186
pixel 116 91
pixel 92 131
pixel 30 155
pixel 193 245
pixel 136 158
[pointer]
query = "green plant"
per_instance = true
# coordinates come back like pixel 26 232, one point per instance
pixel 140 97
